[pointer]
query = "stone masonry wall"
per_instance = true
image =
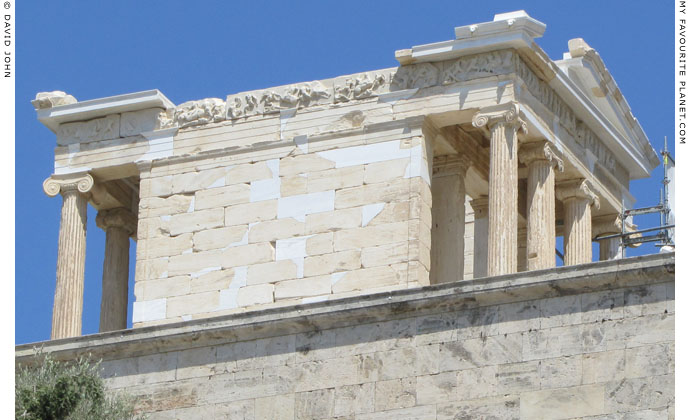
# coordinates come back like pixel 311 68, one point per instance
pixel 606 352
pixel 293 224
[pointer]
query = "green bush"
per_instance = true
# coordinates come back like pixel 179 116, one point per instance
pixel 53 390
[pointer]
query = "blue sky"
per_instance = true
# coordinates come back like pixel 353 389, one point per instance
pixel 195 50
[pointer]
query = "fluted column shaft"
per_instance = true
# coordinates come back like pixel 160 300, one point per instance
pixel 541 204
pixel 481 235
pixel 119 224
pixel 577 202
pixel 503 123
pixel 448 219
pixel 609 249
pixel 71 259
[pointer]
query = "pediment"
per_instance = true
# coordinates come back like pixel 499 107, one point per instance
pixel 586 70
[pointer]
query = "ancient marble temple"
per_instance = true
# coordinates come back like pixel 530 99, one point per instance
pixel 377 245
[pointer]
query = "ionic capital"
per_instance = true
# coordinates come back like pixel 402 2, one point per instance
pixel 541 150
pixel 118 218
pixel 577 188
pixel 480 205
pixel 55 185
pixel 506 114
pixel 451 165
pixel 606 225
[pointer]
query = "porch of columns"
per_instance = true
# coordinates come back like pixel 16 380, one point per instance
pixel 448 218
pixel 119 224
pixel 577 198
pixel 609 249
pixel 504 124
pixel 71 258
pixel 480 206
pixel 540 159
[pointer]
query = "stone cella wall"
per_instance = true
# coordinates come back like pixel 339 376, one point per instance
pixel 585 342
pixel 283 225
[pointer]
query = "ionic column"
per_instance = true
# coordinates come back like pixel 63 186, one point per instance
pixel 69 286
pixel 577 199
pixel 522 250
pixel 119 224
pixel 504 124
pixel 481 235
pixel 540 159
pixel 609 249
pixel 448 219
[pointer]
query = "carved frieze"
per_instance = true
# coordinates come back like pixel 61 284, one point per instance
pixel 137 122
pixel 477 66
pixel 166 119
pixel 200 112
pixel 415 76
pixel 566 117
pixel 360 86
pixel 271 101
pixel 105 128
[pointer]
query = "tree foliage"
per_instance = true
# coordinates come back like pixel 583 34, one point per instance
pixel 53 390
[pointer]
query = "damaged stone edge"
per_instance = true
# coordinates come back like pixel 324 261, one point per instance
pixel 571 280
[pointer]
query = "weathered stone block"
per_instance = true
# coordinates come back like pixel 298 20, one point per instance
pixel 247 255
pixel 354 399
pixel 477 383
pixel 335 179
pixel 151 269
pixel 161 288
pixel 316 404
pixel 166 246
pixel 275 229
pixel 385 171
pixel 196 221
pixel 221 197
pixel 370 236
pixel 309 163
pixel 563 403
pixel 271 272
pixel 476 352
pixel 175 204
pixel 398 190
pixel 385 254
pixel 194 181
pixel 367 278
pixel 247 172
pixel 502 407
pixel 241 214
pixel 220 238
pixel 561 372
pixel 293 185
pixel 253 295
pixel 214 280
pixel 320 244
pixel 278 407
pixel 192 304
pixel 333 221
pixel 194 363
pixel 160 186
pixel 312 286
pixel 193 263
pixel 603 366
pixel 329 263
pixel 643 361
pixel 517 377
pixel 438 388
